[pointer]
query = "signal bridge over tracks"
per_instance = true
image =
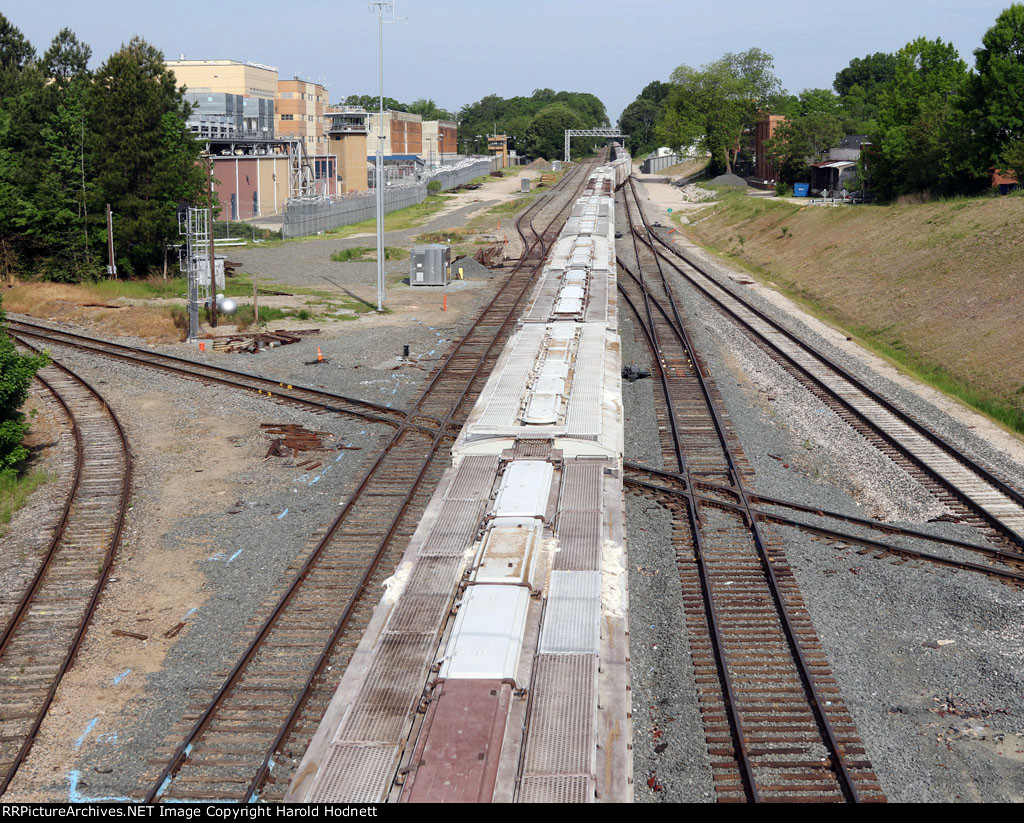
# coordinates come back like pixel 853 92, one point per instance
pixel 570 133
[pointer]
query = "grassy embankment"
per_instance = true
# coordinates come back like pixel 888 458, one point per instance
pixel 935 288
pixel 15 490
pixel 153 308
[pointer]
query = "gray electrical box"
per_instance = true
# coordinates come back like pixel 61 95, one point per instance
pixel 430 265
pixel 525 185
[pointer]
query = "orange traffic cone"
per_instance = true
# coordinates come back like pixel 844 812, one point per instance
pixel 319 355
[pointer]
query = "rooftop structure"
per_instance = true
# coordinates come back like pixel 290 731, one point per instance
pixel 226 76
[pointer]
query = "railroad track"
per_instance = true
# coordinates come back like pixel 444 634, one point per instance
pixel 667 487
pixel 311 398
pixel 39 641
pixel 953 476
pixel 775 723
pixel 243 743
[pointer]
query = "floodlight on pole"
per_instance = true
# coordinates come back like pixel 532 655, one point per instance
pixel 382 7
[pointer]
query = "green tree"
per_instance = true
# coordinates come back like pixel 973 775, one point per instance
pixel 545 136
pixel 514 115
pixel 914 117
pixel 714 105
pixel 993 104
pixel 16 373
pixel 429 110
pixel 637 121
pixel 1013 158
pixel 145 159
pixel 859 86
pixel 371 102
pixel 802 139
pixel 16 54
pixel 871 73
pixel 55 209
pixel 656 91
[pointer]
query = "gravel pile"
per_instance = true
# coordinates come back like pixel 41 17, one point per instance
pixel 730 180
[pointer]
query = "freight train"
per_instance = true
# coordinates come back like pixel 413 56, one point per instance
pixel 496 665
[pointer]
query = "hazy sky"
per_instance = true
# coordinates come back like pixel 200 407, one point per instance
pixel 457 51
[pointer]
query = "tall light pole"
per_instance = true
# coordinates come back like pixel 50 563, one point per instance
pixel 382 6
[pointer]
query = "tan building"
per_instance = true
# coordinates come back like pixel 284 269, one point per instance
pixel 403 133
pixel 347 130
pixel 498 144
pixel 300 113
pixel 226 77
pixel 440 141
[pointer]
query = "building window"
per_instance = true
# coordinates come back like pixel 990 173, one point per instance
pixel 287 116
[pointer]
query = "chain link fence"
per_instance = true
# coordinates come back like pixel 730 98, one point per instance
pixel 303 218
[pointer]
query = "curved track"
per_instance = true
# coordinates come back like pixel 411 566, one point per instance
pixel 243 742
pixel 39 642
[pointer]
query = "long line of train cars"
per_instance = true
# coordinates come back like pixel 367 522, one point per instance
pixel 496 664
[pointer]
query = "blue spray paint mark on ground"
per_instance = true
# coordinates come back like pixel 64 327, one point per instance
pixel 85 734
pixel 234 555
pixel 189 613
pixel 74 796
pixel 122 676
pixel 107 737
pixel 282 514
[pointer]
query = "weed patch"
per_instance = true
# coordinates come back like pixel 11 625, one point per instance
pixel 15 489
pixel 934 286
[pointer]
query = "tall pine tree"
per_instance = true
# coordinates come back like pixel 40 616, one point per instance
pixel 142 155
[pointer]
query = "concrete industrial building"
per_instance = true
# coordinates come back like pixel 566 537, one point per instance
pixel 226 77
pixel 224 115
pixel 440 141
pixel 300 113
pixel 403 133
pixel 347 130
pixel 267 136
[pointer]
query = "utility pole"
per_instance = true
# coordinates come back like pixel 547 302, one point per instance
pixel 213 271
pixel 381 6
pixel 110 242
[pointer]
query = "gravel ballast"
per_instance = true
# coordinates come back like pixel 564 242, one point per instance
pixel 940 720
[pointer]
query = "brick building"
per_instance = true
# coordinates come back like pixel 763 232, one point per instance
pixel 764 131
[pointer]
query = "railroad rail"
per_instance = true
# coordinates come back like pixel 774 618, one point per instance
pixel 241 744
pixel 668 487
pixel 304 396
pixel 39 642
pixel 960 479
pixel 775 722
